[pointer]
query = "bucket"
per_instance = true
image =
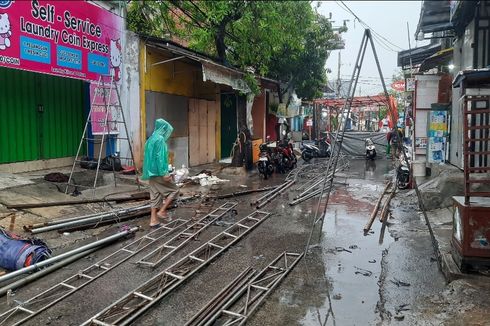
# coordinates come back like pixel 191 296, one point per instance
pixel 418 168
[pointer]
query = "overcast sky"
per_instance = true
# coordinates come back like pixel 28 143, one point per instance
pixel 387 18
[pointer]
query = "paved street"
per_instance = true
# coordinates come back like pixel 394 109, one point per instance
pixel 346 278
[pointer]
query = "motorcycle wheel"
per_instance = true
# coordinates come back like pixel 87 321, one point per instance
pixel 306 156
pixel 270 169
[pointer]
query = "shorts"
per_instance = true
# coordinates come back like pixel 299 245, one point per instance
pixel 160 188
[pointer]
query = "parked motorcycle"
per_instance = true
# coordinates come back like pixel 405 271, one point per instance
pixel 370 149
pixel 403 171
pixel 265 165
pixel 288 158
pixel 320 149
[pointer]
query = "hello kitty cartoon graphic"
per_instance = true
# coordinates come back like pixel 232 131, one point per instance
pixel 5 32
pixel 116 59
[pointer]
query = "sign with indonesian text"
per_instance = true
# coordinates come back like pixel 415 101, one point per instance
pixel 398 85
pixel 66 38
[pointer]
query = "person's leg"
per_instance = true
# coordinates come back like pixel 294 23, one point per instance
pixel 162 212
pixel 155 202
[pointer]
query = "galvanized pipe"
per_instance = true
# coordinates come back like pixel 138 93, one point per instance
pixel 28 279
pixel 93 219
pixel 83 217
pixel 67 254
pixel 275 194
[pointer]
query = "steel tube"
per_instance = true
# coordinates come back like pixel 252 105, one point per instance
pixel 67 254
pixel 28 279
pixel 76 218
pixel 95 218
pixel 275 194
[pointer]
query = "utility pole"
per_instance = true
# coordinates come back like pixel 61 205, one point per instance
pixel 338 76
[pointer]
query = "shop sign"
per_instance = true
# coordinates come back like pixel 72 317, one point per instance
pixel 104 113
pixel 410 82
pixel 309 122
pixel 398 85
pixel 73 39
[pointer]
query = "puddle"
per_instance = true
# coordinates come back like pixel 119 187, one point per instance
pixel 352 261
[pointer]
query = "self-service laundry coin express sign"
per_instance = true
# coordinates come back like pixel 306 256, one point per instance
pixel 73 39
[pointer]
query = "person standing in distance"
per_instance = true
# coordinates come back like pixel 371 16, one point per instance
pixel 155 170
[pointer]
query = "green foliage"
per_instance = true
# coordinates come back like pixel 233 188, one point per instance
pixel 283 40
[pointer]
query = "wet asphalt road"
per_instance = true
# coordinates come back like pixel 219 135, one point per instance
pixel 346 279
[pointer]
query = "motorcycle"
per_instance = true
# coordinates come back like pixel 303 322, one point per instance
pixel 320 149
pixel 265 164
pixel 370 149
pixel 288 158
pixel 403 171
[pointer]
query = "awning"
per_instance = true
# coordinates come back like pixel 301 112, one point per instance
pixel 418 55
pixel 443 57
pixel 211 70
pixel 434 17
pixel 359 101
pixel 473 78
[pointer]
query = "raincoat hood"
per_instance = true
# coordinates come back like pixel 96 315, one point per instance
pixel 155 163
pixel 163 128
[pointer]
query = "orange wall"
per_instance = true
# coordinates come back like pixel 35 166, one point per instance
pixel 258 116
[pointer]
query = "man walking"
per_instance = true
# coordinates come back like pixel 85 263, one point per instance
pixel 155 170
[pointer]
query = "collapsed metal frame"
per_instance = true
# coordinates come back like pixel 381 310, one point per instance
pixel 70 285
pixel 245 302
pixel 339 134
pixel 125 310
pixel 163 252
pixel 216 303
pixel 268 197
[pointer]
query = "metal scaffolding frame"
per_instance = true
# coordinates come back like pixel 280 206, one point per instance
pixel 268 197
pixel 163 252
pixel 217 302
pixel 125 310
pixel 42 301
pixel 243 304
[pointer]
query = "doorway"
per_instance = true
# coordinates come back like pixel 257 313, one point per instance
pixel 229 128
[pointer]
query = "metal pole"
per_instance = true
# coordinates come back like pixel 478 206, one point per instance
pixel 96 218
pixel 28 279
pixel 67 254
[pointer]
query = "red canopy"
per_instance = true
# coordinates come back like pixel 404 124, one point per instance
pixel 366 101
pixel 359 101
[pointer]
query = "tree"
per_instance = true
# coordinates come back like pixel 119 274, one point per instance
pixel 283 40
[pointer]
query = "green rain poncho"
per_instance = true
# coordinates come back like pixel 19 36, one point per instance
pixel 155 163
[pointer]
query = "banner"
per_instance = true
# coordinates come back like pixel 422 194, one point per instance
pixel 66 38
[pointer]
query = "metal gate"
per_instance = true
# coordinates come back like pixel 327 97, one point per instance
pixel 42 116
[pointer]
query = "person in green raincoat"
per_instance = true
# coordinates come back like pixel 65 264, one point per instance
pixel 155 170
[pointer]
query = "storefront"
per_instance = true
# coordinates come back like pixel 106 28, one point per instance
pixel 50 51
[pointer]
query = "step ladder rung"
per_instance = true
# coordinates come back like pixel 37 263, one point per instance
pixel 101 266
pixel 169 246
pixel 230 235
pixel 243 226
pixel 258 287
pixel 68 286
pixel 187 234
pixel 151 238
pixel 215 245
pixel 25 310
pixel 174 275
pixel 85 276
pixel 252 218
pixel 276 268
pixel 195 258
pixel 234 314
pixel 98 322
pixel 127 250
pixel 141 295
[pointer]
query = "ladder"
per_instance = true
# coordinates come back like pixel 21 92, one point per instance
pixel 102 129
pixel 163 252
pixel 476 149
pixel 40 302
pixel 129 307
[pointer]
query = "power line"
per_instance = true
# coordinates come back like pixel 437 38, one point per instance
pixel 382 40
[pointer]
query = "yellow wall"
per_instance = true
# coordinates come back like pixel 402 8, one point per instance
pixel 176 77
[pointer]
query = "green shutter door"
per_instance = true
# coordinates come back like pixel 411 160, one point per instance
pixel 61 120
pixel 41 116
